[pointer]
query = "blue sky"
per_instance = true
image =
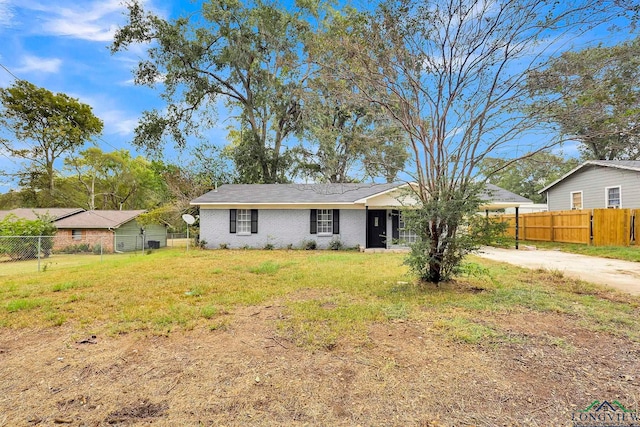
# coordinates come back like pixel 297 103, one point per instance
pixel 62 45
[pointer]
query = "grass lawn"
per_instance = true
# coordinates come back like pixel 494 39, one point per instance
pixel 248 337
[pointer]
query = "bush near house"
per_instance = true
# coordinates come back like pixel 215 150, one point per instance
pixel 26 236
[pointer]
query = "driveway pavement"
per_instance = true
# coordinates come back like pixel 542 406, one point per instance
pixel 623 275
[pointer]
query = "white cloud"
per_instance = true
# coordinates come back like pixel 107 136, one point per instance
pixel 6 13
pixel 93 20
pixel 118 122
pixel 96 21
pixel 31 63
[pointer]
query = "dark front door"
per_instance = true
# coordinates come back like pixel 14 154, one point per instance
pixel 377 229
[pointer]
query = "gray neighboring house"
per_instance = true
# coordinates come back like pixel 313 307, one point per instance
pixel 364 215
pixel 596 184
pixel 117 231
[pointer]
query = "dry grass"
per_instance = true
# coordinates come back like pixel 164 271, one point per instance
pixel 308 338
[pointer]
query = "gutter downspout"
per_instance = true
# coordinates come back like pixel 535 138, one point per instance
pixel 115 250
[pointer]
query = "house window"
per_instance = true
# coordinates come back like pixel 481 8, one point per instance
pixel 243 221
pixel 576 200
pixel 405 236
pixel 613 195
pixel 325 221
pixel 76 234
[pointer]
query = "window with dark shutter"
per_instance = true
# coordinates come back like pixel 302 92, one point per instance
pixel 336 221
pixel 254 221
pixel 232 220
pixel 313 223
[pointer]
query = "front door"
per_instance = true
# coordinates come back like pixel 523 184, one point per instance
pixel 377 229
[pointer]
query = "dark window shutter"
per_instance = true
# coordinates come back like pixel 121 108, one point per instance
pixel 232 220
pixel 395 224
pixel 254 221
pixel 336 221
pixel 314 221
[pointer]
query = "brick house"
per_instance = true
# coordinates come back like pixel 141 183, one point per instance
pixel 116 231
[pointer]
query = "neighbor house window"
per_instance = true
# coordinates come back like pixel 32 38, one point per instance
pixel 243 221
pixel 614 199
pixel 76 234
pixel 405 236
pixel 576 200
pixel 325 221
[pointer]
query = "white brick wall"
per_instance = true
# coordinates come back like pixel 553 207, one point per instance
pixel 280 227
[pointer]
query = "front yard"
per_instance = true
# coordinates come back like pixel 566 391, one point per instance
pixel 308 338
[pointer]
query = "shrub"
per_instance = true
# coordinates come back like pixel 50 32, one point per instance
pixel 335 244
pixel 33 232
pixel 79 248
pixel 309 245
pixel 223 246
pixel 268 247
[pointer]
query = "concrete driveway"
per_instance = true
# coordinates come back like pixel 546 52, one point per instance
pixel 623 275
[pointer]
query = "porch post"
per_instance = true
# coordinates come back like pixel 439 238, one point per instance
pixel 366 226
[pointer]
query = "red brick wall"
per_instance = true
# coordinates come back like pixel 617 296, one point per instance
pixel 65 238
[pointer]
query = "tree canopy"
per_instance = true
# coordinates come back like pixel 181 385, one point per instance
pixel 44 126
pixel 244 54
pixel 528 175
pixel 593 95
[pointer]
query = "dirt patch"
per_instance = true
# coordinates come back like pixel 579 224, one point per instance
pixel 545 367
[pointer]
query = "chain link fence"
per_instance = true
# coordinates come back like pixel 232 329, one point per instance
pixel 41 253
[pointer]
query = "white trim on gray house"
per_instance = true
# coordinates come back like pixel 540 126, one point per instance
pixel 593 179
pixel 365 215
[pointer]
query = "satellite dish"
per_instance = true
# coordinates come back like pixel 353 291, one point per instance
pixel 189 219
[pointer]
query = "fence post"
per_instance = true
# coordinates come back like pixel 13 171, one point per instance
pixel 517 226
pixel 39 246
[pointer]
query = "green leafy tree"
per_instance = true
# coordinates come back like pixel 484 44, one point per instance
pixel 593 95
pixel 246 54
pixel 44 126
pixel 206 169
pixel 23 237
pixel 528 175
pixel 115 180
pixel 347 140
pixel 451 74
pixel 345 137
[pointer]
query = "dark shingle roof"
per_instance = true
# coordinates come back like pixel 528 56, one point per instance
pixel 292 193
pixel 319 193
pixel 98 219
pixel 633 165
pixel 494 193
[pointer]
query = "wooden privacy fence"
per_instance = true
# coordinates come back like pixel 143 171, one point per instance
pixel 598 227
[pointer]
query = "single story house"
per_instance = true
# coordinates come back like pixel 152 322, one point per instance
pixel 596 184
pixel 117 231
pixel 364 215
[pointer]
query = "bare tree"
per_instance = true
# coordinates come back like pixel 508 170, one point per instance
pixel 452 74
